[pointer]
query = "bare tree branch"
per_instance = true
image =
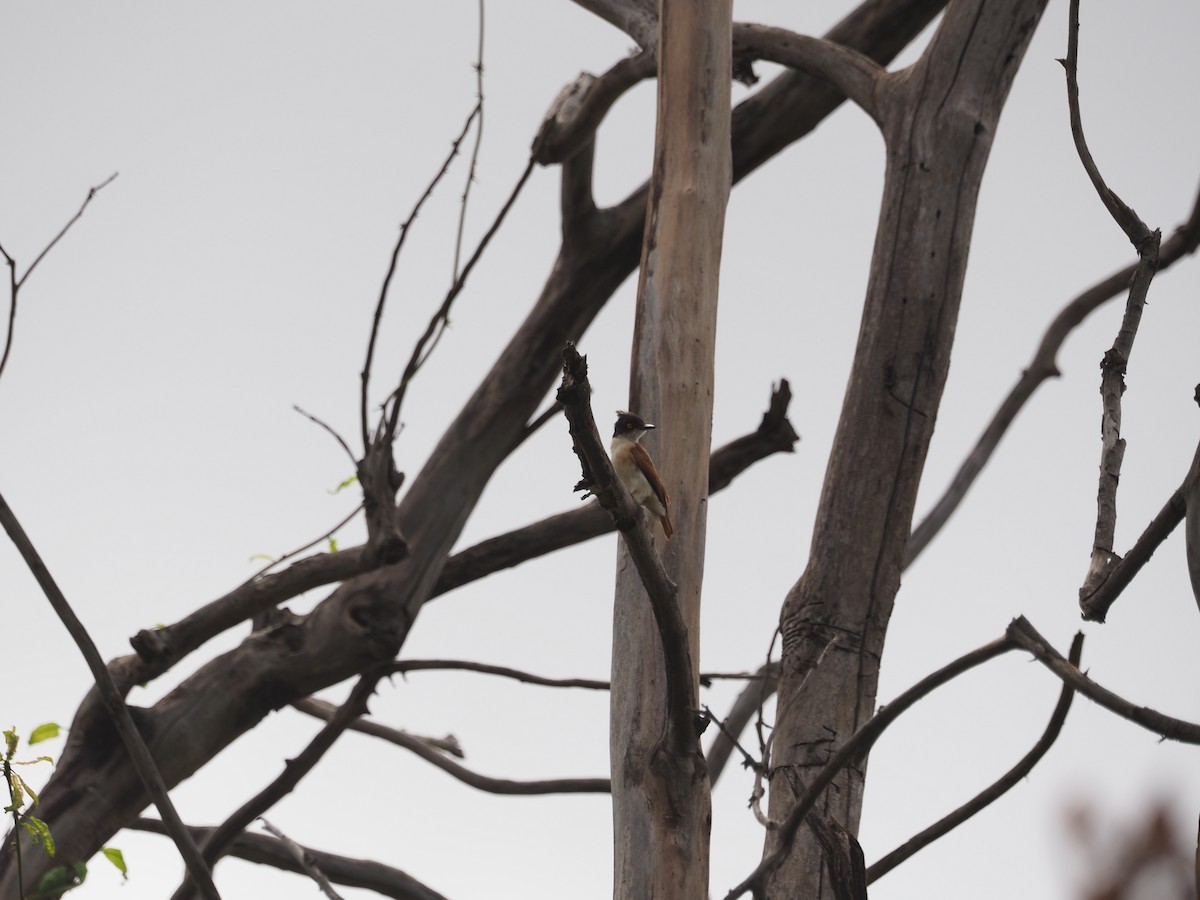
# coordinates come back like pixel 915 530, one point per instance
pixel 744 709
pixel 637 18
pixel 161 648
pixel 403 666
pixel 576 113
pixel 575 397
pixel 855 75
pixel 311 869
pixel 437 322
pixel 1044 365
pixel 1113 366
pixel 321 710
pixel 269 851
pixel 856 748
pixel 112 699
pixel 774 434
pixel 1095 605
pixel 474 165
pixel 329 429
pixel 15 283
pixel 997 790
pixel 391 271
pixel 1191 502
pixel 294 770
pixel 1024 635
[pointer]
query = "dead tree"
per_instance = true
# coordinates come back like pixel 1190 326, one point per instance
pixel 938 118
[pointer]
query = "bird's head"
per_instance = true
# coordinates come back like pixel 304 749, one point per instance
pixel 630 426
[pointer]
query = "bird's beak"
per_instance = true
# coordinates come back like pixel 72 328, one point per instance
pixel 649 427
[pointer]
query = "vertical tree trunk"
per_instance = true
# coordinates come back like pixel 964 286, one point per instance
pixel 939 118
pixel 661 798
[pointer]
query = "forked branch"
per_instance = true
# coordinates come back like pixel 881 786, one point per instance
pixel 997 790
pixel 1113 366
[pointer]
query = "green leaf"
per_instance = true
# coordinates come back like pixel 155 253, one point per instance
pixel 11 740
pixel 117 858
pixel 16 791
pixel 34 761
pixel 39 833
pixel 262 556
pixel 45 732
pixel 25 786
pixel 333 545
pixel 353 479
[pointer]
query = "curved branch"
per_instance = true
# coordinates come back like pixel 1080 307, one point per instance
pixel 580 107
pixel 855 75
pixel 1024 635
pixel 997 790
pixel 1135 229
pixel 637 18
pixel 269 851
pixel 324 710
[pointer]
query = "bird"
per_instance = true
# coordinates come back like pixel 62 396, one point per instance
pixel 636 470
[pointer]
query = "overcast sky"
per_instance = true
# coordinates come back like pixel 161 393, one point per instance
pixel 268 151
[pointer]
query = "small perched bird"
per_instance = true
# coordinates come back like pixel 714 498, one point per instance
pixel 636 470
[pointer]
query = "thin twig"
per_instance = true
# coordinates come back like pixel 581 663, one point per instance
pixel 437 322
pixel 15 283
pixel 311 869
pixel 473 167
pixel 403 666
pixel 329 428
pixel 994 792
pixel 139 754
pixel 387 278
pixel 293 553
pixel 482 782
pixel 748 761
pixel 750 700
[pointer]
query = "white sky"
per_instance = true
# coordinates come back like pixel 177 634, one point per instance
pixel 267 153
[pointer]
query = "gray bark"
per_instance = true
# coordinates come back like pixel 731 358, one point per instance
pixel 662 805
pixel 938 118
